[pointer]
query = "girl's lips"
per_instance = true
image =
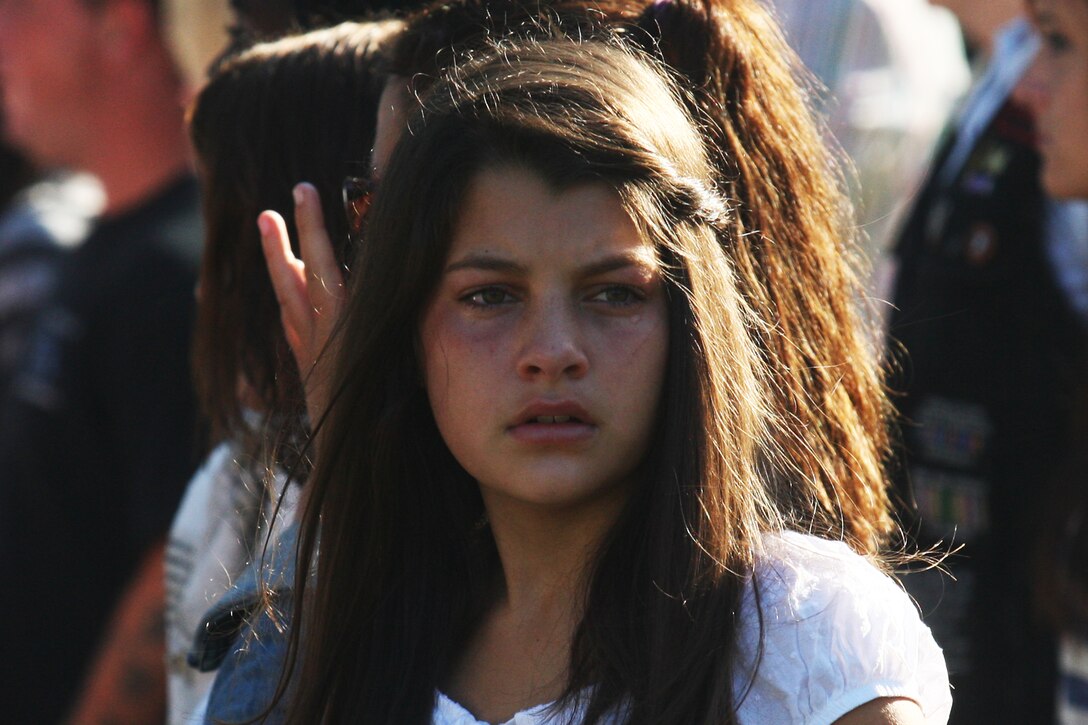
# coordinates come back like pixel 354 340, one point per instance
pixel 552 423
pixel 559 433
pixel 552 412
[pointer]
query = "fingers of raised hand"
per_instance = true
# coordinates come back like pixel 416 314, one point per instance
pixel 287 272
pixel 324 281
pixel 288 275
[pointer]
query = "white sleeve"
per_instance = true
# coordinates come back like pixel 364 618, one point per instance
pixel 836 633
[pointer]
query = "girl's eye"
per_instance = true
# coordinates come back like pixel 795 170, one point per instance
pixel 617 295
pixel 1056 41
pixel 488 297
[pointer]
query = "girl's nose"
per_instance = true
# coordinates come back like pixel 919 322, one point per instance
pixel 552 345
pixel 1033 89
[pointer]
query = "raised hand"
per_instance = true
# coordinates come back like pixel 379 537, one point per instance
pixel 309 289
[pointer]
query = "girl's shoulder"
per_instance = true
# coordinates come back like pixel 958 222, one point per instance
pixel 824 631
pixel 798 576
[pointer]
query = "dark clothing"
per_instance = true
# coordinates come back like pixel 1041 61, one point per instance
pixel 97 444
pixel 991 356
pixel 28 272
pixel 44 221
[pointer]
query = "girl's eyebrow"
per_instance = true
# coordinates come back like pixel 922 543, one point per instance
pixel 1045 17
pixel 484 261
pixel 643 258
pixel 487 262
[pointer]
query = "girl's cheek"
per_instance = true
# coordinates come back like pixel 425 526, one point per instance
pixel 461 332
pixel 470 331
pixel 634 331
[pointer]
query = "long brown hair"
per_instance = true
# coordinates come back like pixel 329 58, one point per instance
pixel 793 246
pixel 280 112
pixel 404 570
pixel 796 258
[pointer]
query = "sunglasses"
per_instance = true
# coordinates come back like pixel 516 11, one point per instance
pixel 358 193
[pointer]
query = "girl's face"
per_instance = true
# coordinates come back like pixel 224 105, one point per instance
pixel 1057 89
pixel 544 345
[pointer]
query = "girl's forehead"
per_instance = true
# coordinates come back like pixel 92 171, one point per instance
pixel 512 211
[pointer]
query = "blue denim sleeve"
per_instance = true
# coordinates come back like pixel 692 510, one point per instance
pixel 247 646
pixel 249 675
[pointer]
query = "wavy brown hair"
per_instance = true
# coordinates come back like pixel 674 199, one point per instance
pixel 404 569
pixel 793 246
pixel 796 258
pixel 299 108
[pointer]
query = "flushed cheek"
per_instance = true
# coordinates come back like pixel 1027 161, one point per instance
pixel 635 341
pixel 1065 168
pixel 466 345
pixel 460 361
pixel 631 360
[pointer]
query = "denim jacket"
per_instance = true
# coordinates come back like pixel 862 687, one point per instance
pixel 239 638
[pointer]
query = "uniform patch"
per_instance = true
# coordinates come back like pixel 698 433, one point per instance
pixel 952 432
pixel 950 505
pixel 981 244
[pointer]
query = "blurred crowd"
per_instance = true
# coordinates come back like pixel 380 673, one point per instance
pixel 143 469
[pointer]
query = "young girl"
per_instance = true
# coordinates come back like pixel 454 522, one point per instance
pixel 790 243
pixel 542 491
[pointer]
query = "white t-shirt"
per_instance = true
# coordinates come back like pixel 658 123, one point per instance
pixel 837 633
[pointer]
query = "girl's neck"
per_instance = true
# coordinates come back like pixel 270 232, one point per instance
pixel 520 655
pixel 545 551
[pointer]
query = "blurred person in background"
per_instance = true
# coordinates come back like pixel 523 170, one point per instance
pixel 323 90
pixel 196 33
pixel 99 424
pixel 1056 88
pixel 988 347
pixel 216 530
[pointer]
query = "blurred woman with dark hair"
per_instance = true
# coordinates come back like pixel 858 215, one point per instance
pixel 300 107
